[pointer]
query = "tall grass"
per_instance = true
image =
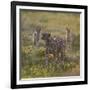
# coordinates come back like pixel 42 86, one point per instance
pixel 32 59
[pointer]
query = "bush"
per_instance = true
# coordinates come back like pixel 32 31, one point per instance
pixel 27 49
pixel 41 52
pixel 26 53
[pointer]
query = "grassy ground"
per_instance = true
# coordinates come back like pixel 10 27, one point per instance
pixel 32 59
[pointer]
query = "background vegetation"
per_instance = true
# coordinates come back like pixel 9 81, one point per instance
pixel 32 59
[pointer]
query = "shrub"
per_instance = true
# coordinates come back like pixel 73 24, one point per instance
pixel 27 50
pixel 41 52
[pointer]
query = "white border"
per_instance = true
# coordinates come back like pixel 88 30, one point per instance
pixel 54 79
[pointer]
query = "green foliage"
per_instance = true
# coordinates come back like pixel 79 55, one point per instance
pixel 41 52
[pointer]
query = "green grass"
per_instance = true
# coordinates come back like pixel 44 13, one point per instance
pixel 32 59
pixel 34 65
pixel 50 20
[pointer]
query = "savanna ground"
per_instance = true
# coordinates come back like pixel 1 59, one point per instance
pixel 32 59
